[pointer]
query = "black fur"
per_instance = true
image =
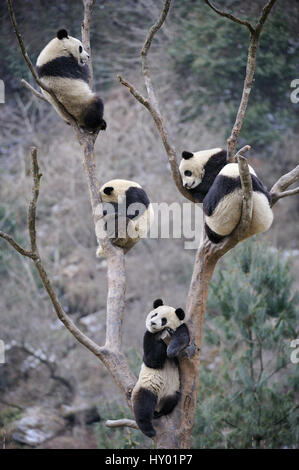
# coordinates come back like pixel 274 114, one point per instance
pixel 179 341
pixel 214 237
pixel 186 155
pixel 136 196
pixel 180 313
pixel 62 33
pixel 154 350
pixel 168 404
pixel 93 118
pixel 157 303
pixel 215 163
pixel 108 190
pixel 65 67
pixel 144 408
pixel 224 185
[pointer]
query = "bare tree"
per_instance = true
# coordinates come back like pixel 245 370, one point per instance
pixel 173 431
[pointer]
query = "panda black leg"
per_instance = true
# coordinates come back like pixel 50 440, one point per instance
pixel 93 118
pixel 168 405
pixel 214 237
pixel 144 406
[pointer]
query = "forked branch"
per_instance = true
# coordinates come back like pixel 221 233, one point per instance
pixel 151 101
pixel 250 70
pixel 278 190
pixel 110 354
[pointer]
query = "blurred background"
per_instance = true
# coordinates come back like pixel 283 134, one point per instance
pixel 53 392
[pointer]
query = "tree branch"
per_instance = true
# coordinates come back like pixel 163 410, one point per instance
pixel 16 246
pixel 60 106
pixel 231 17
pixel 278 189
pixel 151 102
pixel 250 70
pixel 34 91
pixel 120 423
pixel 110 354
pixel 85 32
pixel 247 204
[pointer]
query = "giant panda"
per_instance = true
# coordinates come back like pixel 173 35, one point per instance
pixel 157 390
pixel 216 183
pixel 125 200
pixel 62 67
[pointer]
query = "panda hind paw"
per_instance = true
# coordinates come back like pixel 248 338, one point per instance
pixel 103 125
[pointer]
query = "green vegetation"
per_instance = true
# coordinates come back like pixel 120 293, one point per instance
pixel 209 56
pixel 249 398
pixel 119 438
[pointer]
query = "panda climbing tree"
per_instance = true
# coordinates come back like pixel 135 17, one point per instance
pixel 175 431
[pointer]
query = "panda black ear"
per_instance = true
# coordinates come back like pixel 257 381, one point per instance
pixel 62 33
pixel 157 303
pixel 108 190
pixel 180 313
pixel 186 155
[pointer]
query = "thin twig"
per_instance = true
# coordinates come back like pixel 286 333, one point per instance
pixel 231 17
pixel 34 91
pixel 151 102
pixel 278 189
pixel 250 71
pixel 15 245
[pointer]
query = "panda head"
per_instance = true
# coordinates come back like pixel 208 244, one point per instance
pixel 71 46
pixel 163 316
pixel 115 190
pixel 199 169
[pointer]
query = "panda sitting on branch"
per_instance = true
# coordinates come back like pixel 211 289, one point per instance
pixel 217 184
pixel 62 67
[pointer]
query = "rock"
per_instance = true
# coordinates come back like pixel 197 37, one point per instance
pixel 36 426
pixel 83 413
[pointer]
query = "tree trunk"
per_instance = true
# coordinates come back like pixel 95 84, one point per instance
pixel 175 432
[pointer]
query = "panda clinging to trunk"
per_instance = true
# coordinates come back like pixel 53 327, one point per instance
pixel 157 390
pixel 217 184
pixel 62 67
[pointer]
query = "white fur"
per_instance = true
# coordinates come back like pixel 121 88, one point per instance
pixel 153 320
pixel 196 165
pixel 227 214
pixel 139 226
pixel 74 94
pixel 166 381
pixel 162 382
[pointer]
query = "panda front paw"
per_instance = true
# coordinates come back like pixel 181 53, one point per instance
pixel 170 330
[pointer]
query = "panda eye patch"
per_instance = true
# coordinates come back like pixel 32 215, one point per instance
pixel 155 314
pixel 188 173
pixel 80 49
pixel 164 321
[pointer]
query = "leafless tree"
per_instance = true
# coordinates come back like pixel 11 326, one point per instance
pixel 173 431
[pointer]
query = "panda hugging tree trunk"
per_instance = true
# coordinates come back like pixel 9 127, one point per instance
pixel 175 431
